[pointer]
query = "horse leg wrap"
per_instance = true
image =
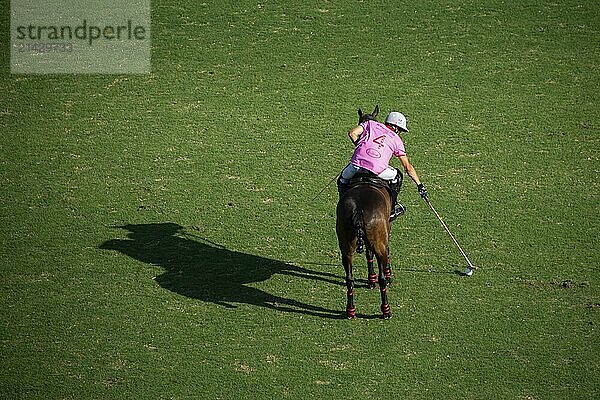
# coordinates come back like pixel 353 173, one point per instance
pixel 385 305
pixel 350 313
pixel 388 273
pixel 350 309
pixel 386 310
pixel 372 280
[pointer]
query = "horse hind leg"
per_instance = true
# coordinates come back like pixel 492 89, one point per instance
pixel 382 262
pixel 350 308
pixel 388 268
pixel 370 265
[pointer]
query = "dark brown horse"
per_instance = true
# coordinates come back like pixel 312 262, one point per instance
pixel 363 213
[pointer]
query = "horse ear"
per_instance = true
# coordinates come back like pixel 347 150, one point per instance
pixel 376 111
pixel 360 113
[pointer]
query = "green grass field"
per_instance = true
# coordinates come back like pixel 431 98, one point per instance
pixel 159 238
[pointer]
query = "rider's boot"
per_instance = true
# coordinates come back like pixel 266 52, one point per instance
pixel 397 208
pixel 342 185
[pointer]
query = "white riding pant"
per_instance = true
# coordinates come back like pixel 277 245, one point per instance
pixel 388 174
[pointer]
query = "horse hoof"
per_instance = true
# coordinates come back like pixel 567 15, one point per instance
pixel 387 316
pixel 351 313
pixel 371 285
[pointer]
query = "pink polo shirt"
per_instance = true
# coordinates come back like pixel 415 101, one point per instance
pixel 376 146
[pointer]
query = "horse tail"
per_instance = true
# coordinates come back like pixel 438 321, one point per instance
pixel 357 221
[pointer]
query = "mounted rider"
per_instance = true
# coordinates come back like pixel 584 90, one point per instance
pixel 376 143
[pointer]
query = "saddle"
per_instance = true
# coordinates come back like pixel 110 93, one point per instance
pixel 369 178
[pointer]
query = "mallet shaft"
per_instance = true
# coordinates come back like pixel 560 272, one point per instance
pixel 469 264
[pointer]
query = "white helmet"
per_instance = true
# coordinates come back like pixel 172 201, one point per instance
pixel 398 119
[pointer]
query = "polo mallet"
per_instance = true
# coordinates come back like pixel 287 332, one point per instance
pixel 324 187
pixel 470 266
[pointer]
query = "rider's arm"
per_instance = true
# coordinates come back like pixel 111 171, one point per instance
pixel 410 170
pixel 354 133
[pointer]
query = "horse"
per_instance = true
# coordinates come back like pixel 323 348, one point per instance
pixel 362 223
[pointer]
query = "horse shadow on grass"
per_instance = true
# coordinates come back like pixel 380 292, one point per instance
pixel 199 269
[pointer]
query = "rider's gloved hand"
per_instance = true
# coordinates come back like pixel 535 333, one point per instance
pixel 422 191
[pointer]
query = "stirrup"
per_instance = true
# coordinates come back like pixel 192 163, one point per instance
pixel 397 211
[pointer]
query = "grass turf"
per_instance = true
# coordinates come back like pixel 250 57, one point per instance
pixel 159 239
